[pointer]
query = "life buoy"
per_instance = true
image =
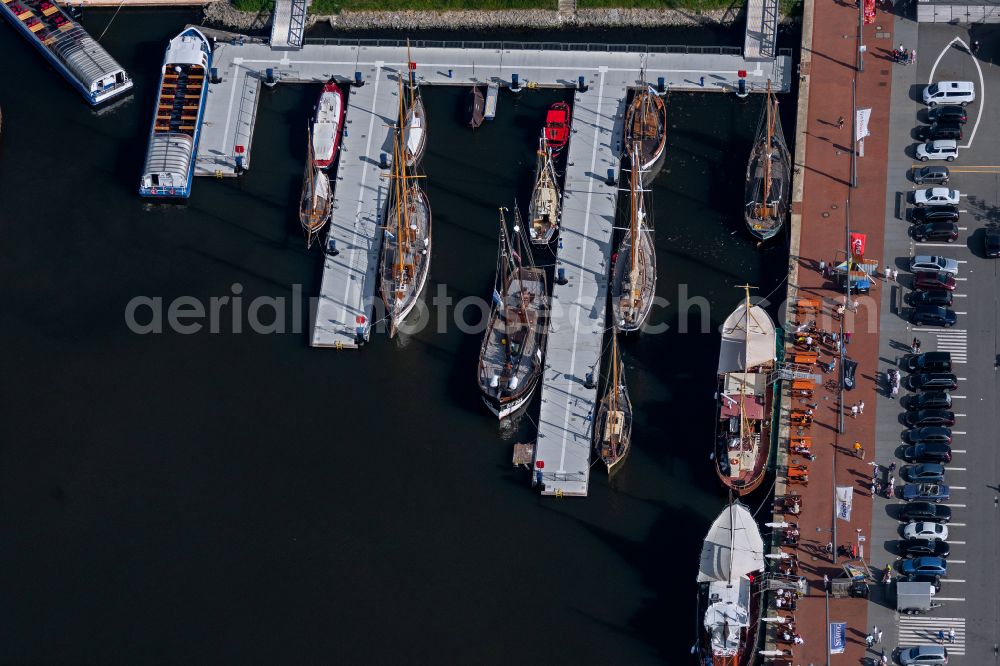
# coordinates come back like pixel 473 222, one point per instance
pixel 734 461
pixel 152 191
pixel 172 191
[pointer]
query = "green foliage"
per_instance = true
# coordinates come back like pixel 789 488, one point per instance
pixel 253 5
pixel 689 5
pixel 336 6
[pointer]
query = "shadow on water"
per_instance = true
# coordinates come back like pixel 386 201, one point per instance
pixel 162 484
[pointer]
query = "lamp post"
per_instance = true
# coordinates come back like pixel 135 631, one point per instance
pixel 861 540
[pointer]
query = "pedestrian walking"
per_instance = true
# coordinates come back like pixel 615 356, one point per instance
pixel 861 407
pixel 840 122
pixel 913 57
pixel 941 635
pixel 915 345
pixel 854 415
pixel 869 641
pixel 826 583
pixel 888 273
pixel 873 489
pixel 847 338
pixel 951 635
pixel 895 275
pixel 901 52
pixel 878 637
pixel 975 47
pixel 822 267
pixel 859 450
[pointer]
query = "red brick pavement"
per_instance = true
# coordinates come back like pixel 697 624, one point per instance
pixel 826 179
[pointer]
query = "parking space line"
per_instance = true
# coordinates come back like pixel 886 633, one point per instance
pixel 960 295
pixel 961 279
pixel 961 379
pixel 959 488
pixel 963 228
pixel 949 598
pixel 956 506
pixel 959 543
pixel 958 451
pixel 958 397
pixel 962 261
pixel 952 580
pixel 958 432
pixel 957 469
pixel 956 525
pixel 961 313
pixel 956 561
pixel 959 414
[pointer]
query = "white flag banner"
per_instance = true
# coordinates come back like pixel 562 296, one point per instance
pixel 864 115
pixel 845 495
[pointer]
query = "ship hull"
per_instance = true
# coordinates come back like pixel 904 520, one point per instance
pixel 652 139
pixel 328 124
pixel 420 259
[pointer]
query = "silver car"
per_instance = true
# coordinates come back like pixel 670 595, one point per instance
pixel 942 149
pixel 925 263
pixel 921 655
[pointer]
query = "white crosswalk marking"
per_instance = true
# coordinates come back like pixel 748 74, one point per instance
pixel 956 342
pixel 924 630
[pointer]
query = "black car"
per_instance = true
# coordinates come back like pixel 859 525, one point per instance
pixel 992 241
pixel 850 368
pixel 928 362
pixel 932 315
pixel 927 453
pixel 924 578
pixel 923 473
pixel 941 130
pixel 932 381
pixel 926 214
pixel 935 175
pixel 929 400
pixel 922 547
pixel 943 231
pixel 925 512
pixel 950 113
pixel 928 435
pixel 938 298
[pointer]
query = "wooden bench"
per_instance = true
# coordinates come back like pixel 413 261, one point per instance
pixel 808 305
pixel 802 385
pixel 805 358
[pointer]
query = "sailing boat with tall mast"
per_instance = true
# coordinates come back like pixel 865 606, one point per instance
pixel 316 200
pixel 743 429
pixel 646 124
pixel 543 210
pixel 769 175
pixel 613 424
pixel 510 360
pixel 406 247
pixel 415 127
pixel 729 582
pixel 634 273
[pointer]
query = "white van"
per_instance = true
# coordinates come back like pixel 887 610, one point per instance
pixel 950 92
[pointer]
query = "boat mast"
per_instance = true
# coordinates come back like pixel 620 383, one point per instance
pixel 409 73
pixel 402 228
pixel 613 401
pixel 634 227
pixel 746 361
pixel 769 150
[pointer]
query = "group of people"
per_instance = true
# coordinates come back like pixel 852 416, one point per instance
pixel 905 57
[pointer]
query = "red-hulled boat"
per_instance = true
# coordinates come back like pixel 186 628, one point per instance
pixel 327 125
pixel 557 122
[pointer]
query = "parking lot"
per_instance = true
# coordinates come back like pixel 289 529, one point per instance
pixel 969 592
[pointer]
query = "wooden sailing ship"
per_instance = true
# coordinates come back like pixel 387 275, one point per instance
pixel 415 127
pixel 646 125
pixel 316 200
pixel 613 424
pixel 730 575
pixel 543 210
pixel 743 431
pixel 406 247
pixel 510 359
pixel 633 284
pixel 768 175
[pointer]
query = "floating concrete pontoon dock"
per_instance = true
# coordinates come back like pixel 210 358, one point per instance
pixel 600 73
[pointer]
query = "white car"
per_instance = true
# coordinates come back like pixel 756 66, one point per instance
pixel 925 263
pixel 926 531
pixel 942 149
pixel 936 196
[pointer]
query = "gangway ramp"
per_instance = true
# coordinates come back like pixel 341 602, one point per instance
pixel 761 30
pixel 288 24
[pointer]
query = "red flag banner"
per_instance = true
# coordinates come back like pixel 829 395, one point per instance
pixel 869 12
pixel 858 246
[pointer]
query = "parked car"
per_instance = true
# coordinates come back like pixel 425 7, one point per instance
pixel 923 472
pixel 950 92
pixel 935 175
pixel 930 280
pixel 925 492
pixel 927 263
pixel 937 298
pixel 932 315
pixel 928 435
pixel 934 214
pixel 923 655
pixel 928 453
pixel 991 239
pixel 926 511
pixel 936 196
pixel 940 130
pixel 933 566
pixel 925 530
pixel 942 149
pixel 942 231
pixel 924 578
pixel 932 381
pixel 918 547
pixel 928 362
pixel 929 400
pixel 948 114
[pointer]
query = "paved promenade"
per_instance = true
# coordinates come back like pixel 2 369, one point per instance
pixel 820 195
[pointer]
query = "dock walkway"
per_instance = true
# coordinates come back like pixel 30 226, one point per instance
pixel 288 24
pixel 576 333
pixel 761 29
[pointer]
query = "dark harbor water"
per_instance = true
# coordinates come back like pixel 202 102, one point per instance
pixel 242 498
